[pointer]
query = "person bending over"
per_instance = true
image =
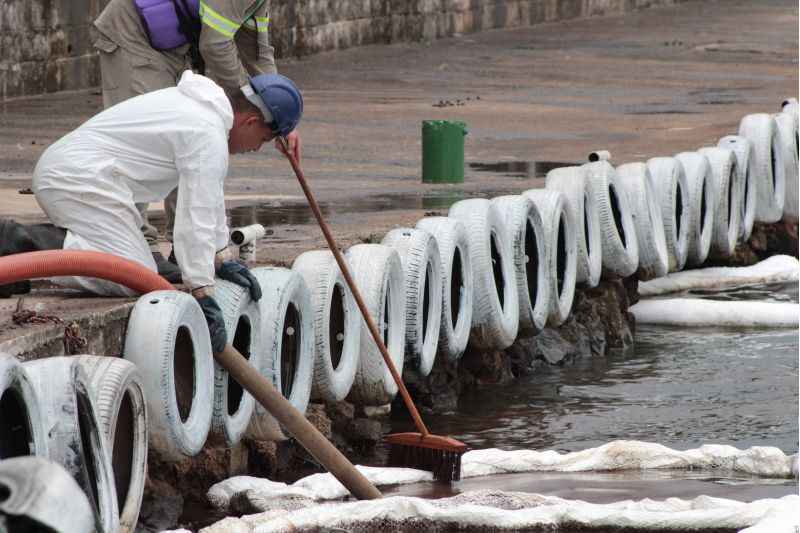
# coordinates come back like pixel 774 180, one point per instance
pixel 89 181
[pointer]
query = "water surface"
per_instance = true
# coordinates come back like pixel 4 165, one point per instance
pixel 680 387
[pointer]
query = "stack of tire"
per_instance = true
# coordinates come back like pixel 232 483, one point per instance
pixel 488 272
pixel 86 414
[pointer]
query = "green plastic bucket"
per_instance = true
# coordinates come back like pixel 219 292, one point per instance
pixel 443 151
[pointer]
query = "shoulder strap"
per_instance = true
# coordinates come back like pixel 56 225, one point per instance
pixel 252 12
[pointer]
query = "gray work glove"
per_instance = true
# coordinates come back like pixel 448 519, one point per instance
pixel 236 272
pixel 216 324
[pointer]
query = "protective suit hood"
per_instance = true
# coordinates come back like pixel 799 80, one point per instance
pixel 209 93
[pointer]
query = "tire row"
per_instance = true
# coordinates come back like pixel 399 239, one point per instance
pixel 489 271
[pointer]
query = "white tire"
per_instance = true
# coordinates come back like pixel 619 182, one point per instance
pixel 75 437
pixel 378 275
pixel 168 341
pixel 572 182
pixel 636 181
pixel 495 308
pixel 770 177
pixel 728 189
pixel 617 232
pixel 118 394
pixel 701 205
pixel 43 491
pixel 287 341
pixel 746 167
pixel 457 284
pixel 422 269
pixel 233 406
pixel 559 233
pixel 337 325
pixel 526 232
pixel 672 193
pixel 791 108
pixel 787 135
pixel 22 430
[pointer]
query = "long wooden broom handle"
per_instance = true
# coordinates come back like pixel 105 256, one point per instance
pixel 357 295
pixel 297 424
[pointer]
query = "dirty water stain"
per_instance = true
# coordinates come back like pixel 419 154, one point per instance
pixel 520 169
pixel 664 112
pixel 272 214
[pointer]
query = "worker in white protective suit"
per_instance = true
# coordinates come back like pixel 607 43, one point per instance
pixel 90 181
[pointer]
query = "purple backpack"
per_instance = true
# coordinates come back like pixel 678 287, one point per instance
pixel 170 23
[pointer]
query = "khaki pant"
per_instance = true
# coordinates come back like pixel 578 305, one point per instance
pixel 133 70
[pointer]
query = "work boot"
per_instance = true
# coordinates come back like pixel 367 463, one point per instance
pixel 46 236
pixel 167 269
pixel 16 238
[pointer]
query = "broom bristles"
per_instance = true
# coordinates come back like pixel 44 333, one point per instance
pixel 439 455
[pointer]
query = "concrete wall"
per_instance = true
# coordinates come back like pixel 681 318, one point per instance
pixel 45 45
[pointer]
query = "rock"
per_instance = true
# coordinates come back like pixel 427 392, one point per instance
pixel 765 241
pixel 487 367
pixel 376 411
pixel 435 393
pixel 340 411
pixel 608 303
pixel 162 506
pixel 315 413
pixel 262 458
pixel 365 430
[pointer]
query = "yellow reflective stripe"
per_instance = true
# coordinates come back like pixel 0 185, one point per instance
pixel 262 23
pixel 216 21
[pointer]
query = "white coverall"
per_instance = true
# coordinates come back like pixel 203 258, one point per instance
pixel 90 181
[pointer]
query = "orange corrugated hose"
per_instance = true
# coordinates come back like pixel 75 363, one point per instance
pixel 52 263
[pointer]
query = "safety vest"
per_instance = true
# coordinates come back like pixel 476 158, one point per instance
pixel 173 23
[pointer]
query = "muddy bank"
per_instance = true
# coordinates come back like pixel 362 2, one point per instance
pixel 599 324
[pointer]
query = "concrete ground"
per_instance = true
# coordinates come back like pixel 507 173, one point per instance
pixel 655 82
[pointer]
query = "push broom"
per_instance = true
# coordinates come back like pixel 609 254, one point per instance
pixel 421 450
